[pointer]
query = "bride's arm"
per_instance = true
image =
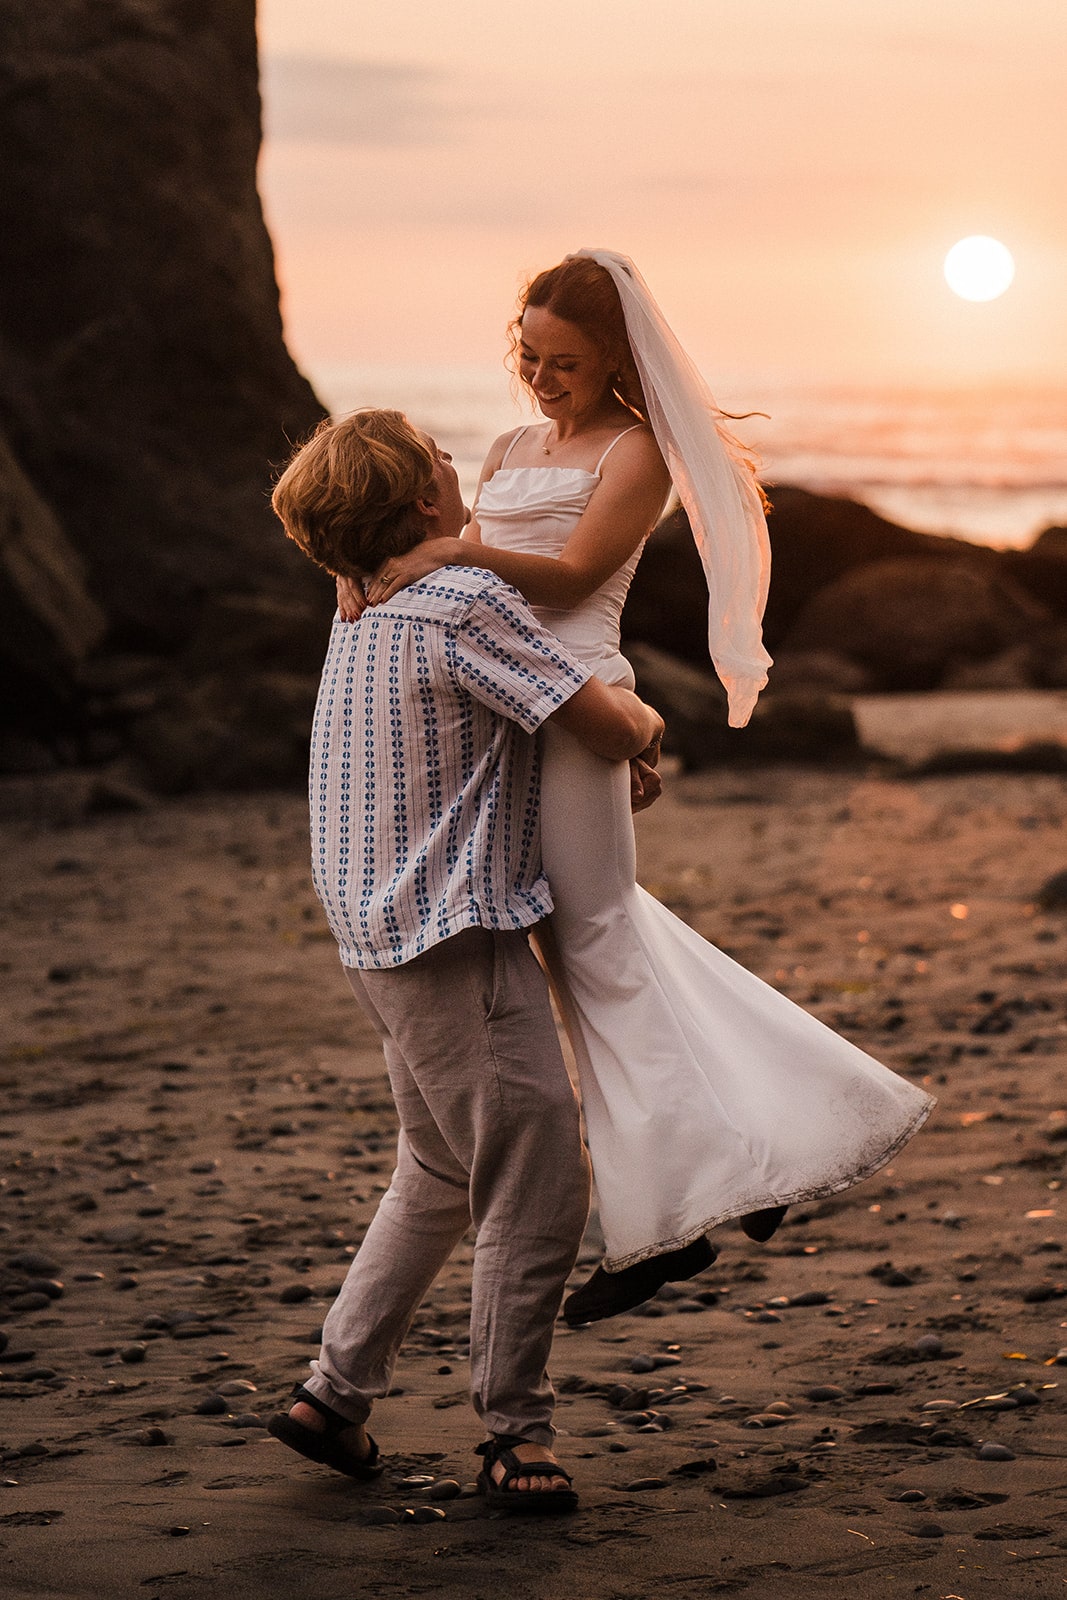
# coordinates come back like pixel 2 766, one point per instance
pixel 622 511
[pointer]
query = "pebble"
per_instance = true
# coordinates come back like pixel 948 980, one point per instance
pixel 929 1530
pixel 809 1297
pixel 826 1391
pixel 1060 1358
pixel 133 1354
pixel 908 1497
pixel 237 1386
pixel 294 1293
pixel 212 1405
pixel 642 1364
pixel 779 1408
pixel 995 1452
pixel 152 1436
pixel 1026 1397
pixel 423 1514
pixel 178 1531
pixel 380 1515
pixel 31 1261
pixel 764 1419
pixel 418 1480
pixel 639 1485
pixel 30 1302
pixel 929 1345
pixel 941 1405
pixel 248 1419
pixel 444 1489
pixel 48 1286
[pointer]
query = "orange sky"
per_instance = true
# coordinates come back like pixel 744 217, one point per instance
pixel 788 174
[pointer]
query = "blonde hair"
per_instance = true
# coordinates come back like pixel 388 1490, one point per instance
pixel 347 497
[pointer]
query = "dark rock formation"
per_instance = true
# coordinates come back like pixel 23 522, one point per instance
pixel 830 555
pixel 908 620
pixel 145 388
pixel 794 724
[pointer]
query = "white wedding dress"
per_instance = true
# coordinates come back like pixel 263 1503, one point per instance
pixel 707 1094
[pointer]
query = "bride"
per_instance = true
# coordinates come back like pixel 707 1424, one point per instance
pixel 707 1094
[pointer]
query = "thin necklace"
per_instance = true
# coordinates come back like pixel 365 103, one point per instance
pixel 546 449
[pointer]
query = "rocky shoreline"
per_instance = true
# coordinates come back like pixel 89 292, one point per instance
pixel 197 1129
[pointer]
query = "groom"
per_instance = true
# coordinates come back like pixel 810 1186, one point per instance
pixel 424 818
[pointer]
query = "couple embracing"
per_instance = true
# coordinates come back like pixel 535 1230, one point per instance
pixel 476 754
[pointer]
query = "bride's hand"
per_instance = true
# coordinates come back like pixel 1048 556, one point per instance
pixel 351 601
pixel 399 571
pixel 646 785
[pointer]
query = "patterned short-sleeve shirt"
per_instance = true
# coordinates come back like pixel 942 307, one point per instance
pixel 424 784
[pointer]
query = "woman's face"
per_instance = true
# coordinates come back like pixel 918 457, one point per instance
pixel 568 375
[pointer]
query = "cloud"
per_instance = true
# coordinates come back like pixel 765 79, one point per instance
pixel 313 99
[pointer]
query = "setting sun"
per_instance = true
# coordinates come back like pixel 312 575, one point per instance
pixel 979 268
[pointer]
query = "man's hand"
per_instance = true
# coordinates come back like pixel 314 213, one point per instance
pixel 646 785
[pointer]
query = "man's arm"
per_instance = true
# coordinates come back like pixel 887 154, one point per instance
pixel 609 720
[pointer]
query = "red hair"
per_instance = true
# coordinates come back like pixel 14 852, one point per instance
pixel 582 292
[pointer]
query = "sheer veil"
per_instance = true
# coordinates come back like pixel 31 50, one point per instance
pixel 715 484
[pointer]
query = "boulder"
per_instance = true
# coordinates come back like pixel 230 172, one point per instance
pixel 817 540
pixel 828 670
pixel 48 620
pixel 145 387
pixel 802 725
pixel 1051 543
pixel 907 620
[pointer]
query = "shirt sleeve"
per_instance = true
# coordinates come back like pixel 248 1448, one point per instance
pixel 507 660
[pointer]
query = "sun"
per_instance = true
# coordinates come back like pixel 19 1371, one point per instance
pixel 979 268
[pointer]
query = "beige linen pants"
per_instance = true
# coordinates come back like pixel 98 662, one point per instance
pixel 489 1136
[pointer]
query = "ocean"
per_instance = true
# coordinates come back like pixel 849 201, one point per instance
pixel 986 465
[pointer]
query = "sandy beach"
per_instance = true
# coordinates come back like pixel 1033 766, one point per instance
pixel 197 1130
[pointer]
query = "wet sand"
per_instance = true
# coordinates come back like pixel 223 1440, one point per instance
pixel 197 1129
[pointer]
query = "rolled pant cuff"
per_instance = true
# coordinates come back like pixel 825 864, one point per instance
pixel 356 1411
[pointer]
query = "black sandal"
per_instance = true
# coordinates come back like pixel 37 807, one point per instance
pixel 502 1497
pixel 607 1294
pixel 320 1444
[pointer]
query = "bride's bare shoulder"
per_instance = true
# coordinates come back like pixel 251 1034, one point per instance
pixel 499 449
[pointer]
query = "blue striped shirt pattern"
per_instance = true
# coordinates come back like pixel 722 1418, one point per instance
pixel 423 779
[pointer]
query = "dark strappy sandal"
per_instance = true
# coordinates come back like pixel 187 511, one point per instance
pixel 503 1497
pixel 321 1444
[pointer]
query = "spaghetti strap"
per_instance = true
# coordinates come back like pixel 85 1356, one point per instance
pixel 611 446
pixel 513 442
